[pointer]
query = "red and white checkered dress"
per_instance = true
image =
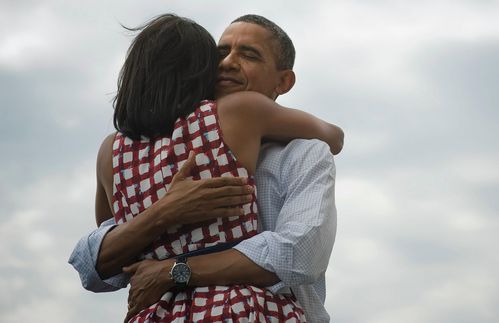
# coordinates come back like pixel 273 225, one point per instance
pixel 142 174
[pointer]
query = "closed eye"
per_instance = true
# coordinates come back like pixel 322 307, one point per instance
pixel 250 56
pixel 250 52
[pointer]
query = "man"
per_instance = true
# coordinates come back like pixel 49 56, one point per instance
pixel 296 201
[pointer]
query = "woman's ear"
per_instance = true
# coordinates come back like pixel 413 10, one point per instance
pixel 286 82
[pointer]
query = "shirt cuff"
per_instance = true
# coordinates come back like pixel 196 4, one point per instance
pixel 257 250
pixel 84 259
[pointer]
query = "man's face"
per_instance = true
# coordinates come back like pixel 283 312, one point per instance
pixel 247 61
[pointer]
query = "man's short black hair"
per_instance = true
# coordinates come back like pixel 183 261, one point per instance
pixel 285 53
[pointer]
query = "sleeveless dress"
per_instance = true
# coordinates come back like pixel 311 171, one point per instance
pixel 142 174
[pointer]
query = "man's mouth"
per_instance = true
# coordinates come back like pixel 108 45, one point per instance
pixel 228 81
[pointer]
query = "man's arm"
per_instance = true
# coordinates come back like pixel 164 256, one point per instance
pixel 88 252
pixel 295 234
pixel 298 243
pixel 104 252
pixel 84 260
pixel 298 232
pixel 187 201
pixel 150 279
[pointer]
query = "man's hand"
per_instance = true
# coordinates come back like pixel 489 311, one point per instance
pixel 150 280
pixel 190 201
pixel 187 201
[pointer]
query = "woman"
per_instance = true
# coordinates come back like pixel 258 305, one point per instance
pixel 162 121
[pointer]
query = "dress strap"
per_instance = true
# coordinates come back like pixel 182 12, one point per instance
pixel 212 249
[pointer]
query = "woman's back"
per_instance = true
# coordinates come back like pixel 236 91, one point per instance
pixel 143 171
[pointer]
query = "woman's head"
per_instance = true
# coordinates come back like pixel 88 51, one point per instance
pixel 170 67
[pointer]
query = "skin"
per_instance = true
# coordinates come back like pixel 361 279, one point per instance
pixel 240 118
pixel 187 201
pixel 247 64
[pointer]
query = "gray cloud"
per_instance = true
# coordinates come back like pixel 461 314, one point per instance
pixel 412 84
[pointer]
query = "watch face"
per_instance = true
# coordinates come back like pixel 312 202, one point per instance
pixel 181 273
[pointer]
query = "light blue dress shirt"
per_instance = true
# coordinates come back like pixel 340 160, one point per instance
pixel 297 219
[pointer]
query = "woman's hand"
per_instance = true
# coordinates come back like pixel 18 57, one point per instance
pixel 150 280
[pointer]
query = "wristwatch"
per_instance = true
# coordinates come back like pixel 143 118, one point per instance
pixel 181 272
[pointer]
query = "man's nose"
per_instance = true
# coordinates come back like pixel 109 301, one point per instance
pixel 229 62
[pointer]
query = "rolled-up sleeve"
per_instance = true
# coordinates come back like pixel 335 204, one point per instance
pixel 84 260
pixel 298 243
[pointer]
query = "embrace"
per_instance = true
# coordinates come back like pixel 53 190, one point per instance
pixel 198 133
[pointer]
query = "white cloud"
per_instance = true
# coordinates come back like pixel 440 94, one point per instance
pixel 476 169
pixel 30 42
pixel 412 253
pixel 37 238
pixel 417 181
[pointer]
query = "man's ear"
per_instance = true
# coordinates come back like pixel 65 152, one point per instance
pixel 287 80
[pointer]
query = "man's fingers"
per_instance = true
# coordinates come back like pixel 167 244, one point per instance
pixel 130 297
pixel 230 201
pixel 131 313
pixel 222 212
pixel 131 269
pixel 186 168
pixel 225 212
pixel 228 191
pixel 133 308
pixel 225 181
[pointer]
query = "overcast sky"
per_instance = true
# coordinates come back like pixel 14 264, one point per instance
pixel 414 85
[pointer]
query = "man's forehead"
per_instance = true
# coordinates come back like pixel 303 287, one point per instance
pixel 244 33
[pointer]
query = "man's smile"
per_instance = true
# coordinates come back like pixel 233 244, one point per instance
pixel 224 80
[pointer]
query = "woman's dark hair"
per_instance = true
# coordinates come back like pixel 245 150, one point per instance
pixel 170 67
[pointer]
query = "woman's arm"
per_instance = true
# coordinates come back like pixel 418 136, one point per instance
pixel 283 124
pixel 262 116
pixel 104 172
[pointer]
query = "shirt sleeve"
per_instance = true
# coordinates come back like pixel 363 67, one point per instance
pixel 84 260
pixel 299 247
